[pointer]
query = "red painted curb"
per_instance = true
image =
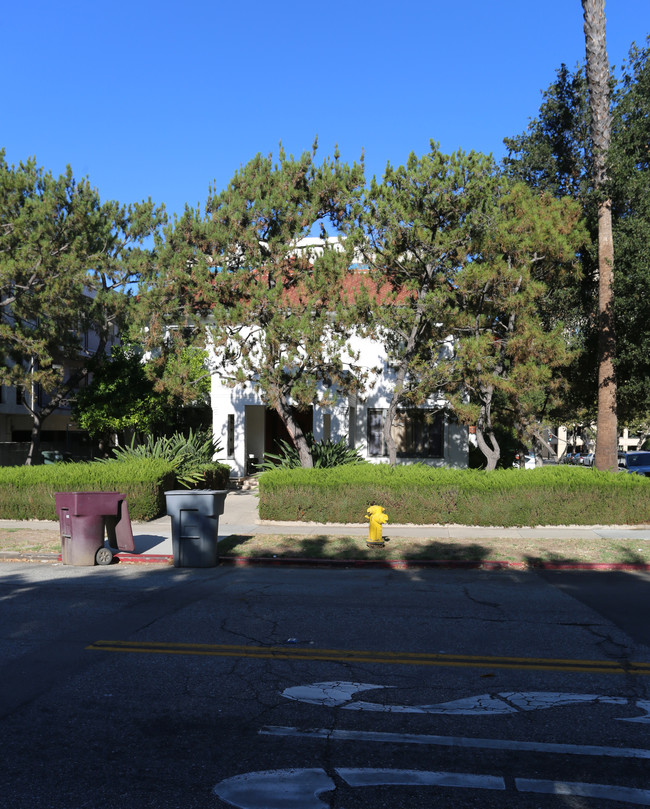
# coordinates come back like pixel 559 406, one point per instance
pixel 144 558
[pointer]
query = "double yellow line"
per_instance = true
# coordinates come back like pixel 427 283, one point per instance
pixel 308 653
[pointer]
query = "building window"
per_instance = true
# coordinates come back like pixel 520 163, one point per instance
pixel 231 435
pixel 327 426
pixel 352 427
pixel 418 433
pixel 376 444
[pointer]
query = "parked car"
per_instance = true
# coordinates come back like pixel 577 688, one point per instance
pixel 638 463
pixel 524 460
pixel 587 460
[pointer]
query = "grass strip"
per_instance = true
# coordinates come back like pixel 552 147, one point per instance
pixel 529 551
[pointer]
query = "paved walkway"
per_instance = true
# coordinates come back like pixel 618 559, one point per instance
pixel 241 517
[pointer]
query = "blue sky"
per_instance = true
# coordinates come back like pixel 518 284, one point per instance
pixel 161 99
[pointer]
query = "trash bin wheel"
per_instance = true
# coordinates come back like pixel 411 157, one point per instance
pixel 104 556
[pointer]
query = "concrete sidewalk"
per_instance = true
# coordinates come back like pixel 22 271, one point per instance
pixel 153 539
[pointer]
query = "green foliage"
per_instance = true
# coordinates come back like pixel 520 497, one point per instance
pixel 630 189
pixel 471 259
pixel 120 396
pixel 185 376
pixel 67 262
pixel 27 493
pixel 554 155
pixel 325 454
pixel 189 455
pixel 422 495
pixel 272 304
pixel 126 394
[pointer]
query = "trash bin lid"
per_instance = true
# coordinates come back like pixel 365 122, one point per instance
pixel 87 504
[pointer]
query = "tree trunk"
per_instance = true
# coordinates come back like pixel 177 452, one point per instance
pixel 606 456
pixel 34 440
pixel 389 439
pixel 485 432
pixel 296 434
pixel 398 388
pixel 39 416
pixel 544 443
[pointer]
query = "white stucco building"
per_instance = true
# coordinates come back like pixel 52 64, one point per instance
pixel 247 429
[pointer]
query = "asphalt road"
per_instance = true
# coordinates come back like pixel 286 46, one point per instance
pixel 282 688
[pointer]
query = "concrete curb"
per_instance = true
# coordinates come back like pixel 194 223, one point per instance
pixel 385 564
pixel 403 564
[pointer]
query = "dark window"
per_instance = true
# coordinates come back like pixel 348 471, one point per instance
pixel 376 445
pixel 231 435
pixel 418 433
pixel 352 427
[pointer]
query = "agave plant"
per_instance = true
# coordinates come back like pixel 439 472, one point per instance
pixel 325 455
pixel 187 454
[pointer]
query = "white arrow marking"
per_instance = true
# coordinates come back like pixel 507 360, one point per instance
pixel 276 789
pixel 644 704
pixel 536 700
pixel 339 695
pixel 330 693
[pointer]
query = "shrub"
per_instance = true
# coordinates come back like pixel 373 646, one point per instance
pixel 191 456
pixel 325 454
pixel 27 492
pixel 423 495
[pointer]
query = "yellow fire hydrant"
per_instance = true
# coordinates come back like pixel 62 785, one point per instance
pixel 376 517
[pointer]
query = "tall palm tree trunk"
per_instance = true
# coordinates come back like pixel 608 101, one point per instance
pixel 598 84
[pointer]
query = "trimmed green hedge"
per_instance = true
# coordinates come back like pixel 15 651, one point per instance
pixel 27 492
pixel 418 494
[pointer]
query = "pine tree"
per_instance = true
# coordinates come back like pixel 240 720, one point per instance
pixel 67 262
pixel 244 282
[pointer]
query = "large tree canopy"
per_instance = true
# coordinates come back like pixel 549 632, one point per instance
pixel 555 154
pixel 416 228
pixel 472 259
pixel 269 303
pixel 67 262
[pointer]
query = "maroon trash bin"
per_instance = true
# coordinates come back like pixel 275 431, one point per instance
pixel 84 518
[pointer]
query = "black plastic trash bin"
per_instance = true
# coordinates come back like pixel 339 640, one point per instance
pixel 84 517
pixel 195 525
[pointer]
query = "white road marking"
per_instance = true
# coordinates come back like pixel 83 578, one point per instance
pixel 458 741
pixel 644 704
pixel 330 693
pixel 366 777
pixel 607 791
pixel 301 788
pixel 276 789
pixel 339 695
